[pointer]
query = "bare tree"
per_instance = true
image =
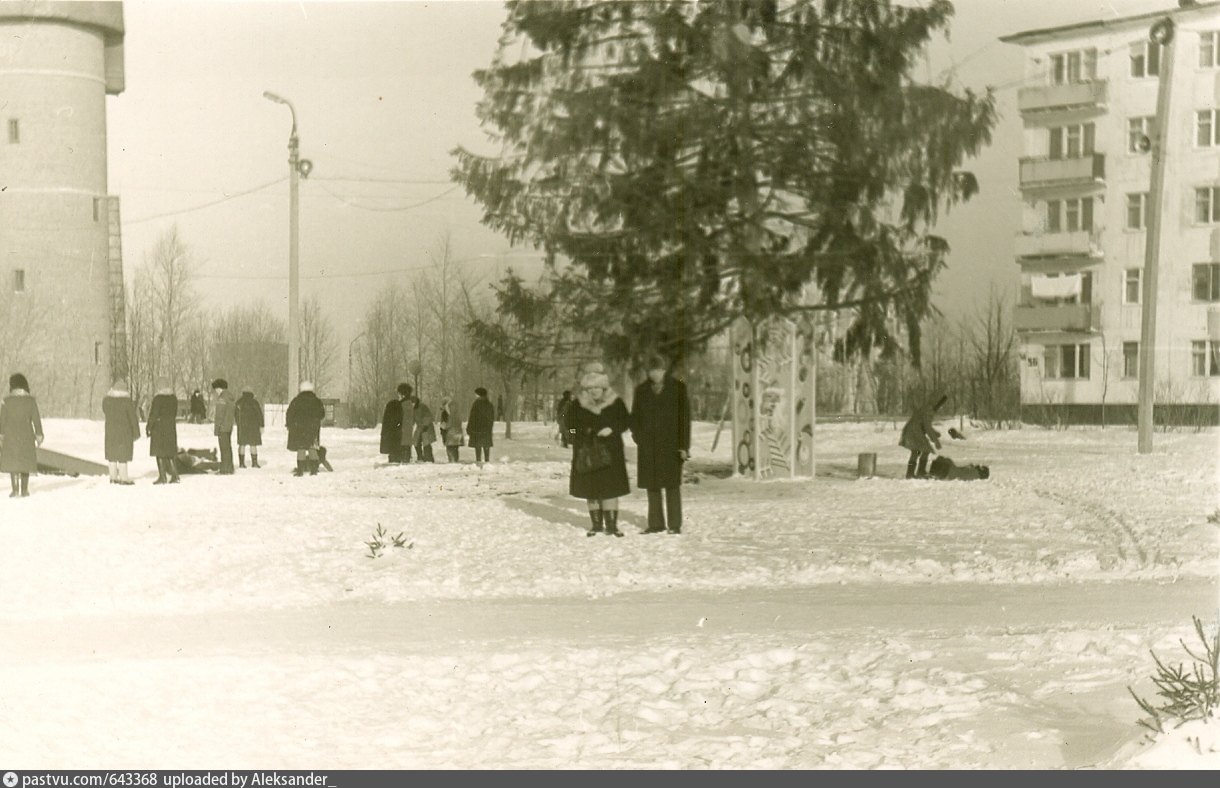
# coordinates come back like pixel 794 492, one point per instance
pixel 248 347
pixel 173 303
pixel 319 348
pixel 994 376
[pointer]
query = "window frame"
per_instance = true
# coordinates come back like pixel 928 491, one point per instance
pixel 1212 119
pixel 1210 279
pixel 1131 360
pixel 1207 204
pixel 1057 358
pixel 1073 66
pixel 1137 280
pixel 1141 198
pixel 14 131
pixel 19 280
pixel 1204 358
pixel 1144 61
pixel 1135 134
pixel 1212 37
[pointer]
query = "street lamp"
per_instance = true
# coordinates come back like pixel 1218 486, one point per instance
pixel 302 167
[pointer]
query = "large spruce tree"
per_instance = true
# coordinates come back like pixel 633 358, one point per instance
pixel 683 164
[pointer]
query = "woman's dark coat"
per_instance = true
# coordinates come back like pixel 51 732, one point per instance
pixel 425 430
pixel 660 426
pixel 481 423
pixel 21 428
pixel 304 421
pixel 122 426
pixel 585 420
pixel 918 435
pixel 391 428
pixel 162 426
pixel 249 417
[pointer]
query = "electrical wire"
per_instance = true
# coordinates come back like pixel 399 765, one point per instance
pixel 347 202
pixel 226 198
pixel 383 272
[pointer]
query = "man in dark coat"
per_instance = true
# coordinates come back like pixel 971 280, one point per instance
pixel 919 437
pixel 222 423
pixel 199 408
pixel 304 422
pixel 480 425
pixel 561 416
pixel 391 425
pixel 660 426
pixel 21 430
pixel 249 417
pixel 122 430
pixel 162 431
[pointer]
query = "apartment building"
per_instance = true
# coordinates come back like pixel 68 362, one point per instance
pixel 1088 105
pixel 61 279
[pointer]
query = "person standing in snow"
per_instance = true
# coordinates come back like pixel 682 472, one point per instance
pixel 198 408
pixel 248 413
pixel 21 433
pixel 425 431
pixel 304 422
pixel 660 426
pixel 479 426
pixel 162 431
pixel 391 426
pixel 222 423
pixel 598 419
pixel 451 429
pixel 407 438
pixel 919 436
pixel 122 431
pixel 561 417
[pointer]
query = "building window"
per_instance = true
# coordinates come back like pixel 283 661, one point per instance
pixel 1207 204
pixel 1131 286
pixel 1206 132
pixel 1145 59
pixel 1137 130
pixel 97 208
pixel 1067 362
pixel 1069 215
pixel 1209 44
pixel 1131 359
pixel 19 280
pixel 1205 359
pixel 14 131
pixel 1205 282
pixel 1072 67
pixel 1136 210
pixel 1071 142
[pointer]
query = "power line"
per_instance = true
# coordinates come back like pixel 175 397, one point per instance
pixel 383 272
pixel 347 202
pixel 355 179
pixel 205 205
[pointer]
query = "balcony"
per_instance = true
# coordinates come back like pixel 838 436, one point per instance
pixel 1037 173
pixel 1082 243
pixel 1069 317
pixel 1045 98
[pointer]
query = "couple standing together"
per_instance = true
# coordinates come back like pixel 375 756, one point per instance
pixel 660 426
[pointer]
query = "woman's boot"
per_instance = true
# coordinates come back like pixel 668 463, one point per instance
pixel 16 485
pixel 25 485
pixel 595 515
pixel 611 518
pixel 160 471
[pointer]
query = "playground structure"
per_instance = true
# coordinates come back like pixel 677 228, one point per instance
pixel 56 462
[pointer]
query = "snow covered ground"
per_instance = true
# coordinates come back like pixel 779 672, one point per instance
pixel 832 623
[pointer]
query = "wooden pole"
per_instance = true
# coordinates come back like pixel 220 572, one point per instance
pixel 1161 33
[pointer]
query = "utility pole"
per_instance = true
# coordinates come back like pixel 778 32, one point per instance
pixel 297 168
pixel 1162 34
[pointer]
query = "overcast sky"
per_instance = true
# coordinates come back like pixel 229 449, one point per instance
pixel 382 93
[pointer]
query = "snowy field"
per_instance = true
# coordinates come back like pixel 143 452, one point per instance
pixel 834 623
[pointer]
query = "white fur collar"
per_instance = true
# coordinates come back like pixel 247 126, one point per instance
pixel 609 397
pixel 19 393
pixel 118 393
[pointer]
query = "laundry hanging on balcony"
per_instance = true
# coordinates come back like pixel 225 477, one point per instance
pixel 1062 286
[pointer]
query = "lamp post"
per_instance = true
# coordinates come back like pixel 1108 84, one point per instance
pixel 350 346
pixel 296 167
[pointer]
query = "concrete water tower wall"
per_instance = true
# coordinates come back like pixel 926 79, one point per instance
pixel 60 301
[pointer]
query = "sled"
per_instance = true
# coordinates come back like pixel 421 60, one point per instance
pixel 57 462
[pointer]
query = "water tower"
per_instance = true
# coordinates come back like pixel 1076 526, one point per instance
pixel 61 277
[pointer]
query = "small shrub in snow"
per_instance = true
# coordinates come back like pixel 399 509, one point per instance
pixel 1187 695
pixel 1214 517
pixel 378 543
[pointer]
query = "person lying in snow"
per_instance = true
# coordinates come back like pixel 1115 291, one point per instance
pixel 188 461
pixel 946 469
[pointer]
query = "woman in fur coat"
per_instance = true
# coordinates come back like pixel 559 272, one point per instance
pixel 599 417
pixel 122 431
pixel 162 431
pixel 21 431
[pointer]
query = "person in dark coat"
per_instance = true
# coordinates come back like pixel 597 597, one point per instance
pixel 248 413
pixel 946 469
pixel 479 426
pixel 920 437
pixel 198 408
pixel 598 416
pixel 304 422
pixel 162 431
pixel 222 420
pixel 21 434
pixel 561 414
pixel 451 430
pixel 425 431
pixel 391 425
pixel 406 441
pixel 122 431
pixel 660 426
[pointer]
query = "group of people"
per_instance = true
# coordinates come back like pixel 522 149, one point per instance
pixel 593 423
pixel 408 425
